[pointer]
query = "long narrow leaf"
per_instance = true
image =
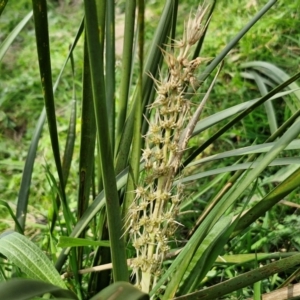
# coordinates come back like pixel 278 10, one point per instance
pixel 110 68
pixel 112 200
pixel 14 33
pixel 238 118
pixel 229 112
pixel 43 48
pixel 294 145
pixel 2 5
pixel 277 194
pixel 126 65
pixel 268 104
pixel 28 168
pixel 234 41
pixel 244 280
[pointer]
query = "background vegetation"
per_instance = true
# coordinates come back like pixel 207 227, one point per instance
pixel 274 39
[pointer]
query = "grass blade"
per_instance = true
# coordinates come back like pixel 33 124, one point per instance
pixel 229 112
pixel 87 139
pixel 2 5
pixel 65 242
pixel 27 173
pixel 14 33
pixel 268 104
pixel 126 65
pixel 110 62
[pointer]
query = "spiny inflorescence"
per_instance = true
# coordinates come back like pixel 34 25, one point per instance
pixel 152 216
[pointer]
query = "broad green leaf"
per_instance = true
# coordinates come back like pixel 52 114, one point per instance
pixel 65 241
pixel 23 289
pixel 29 258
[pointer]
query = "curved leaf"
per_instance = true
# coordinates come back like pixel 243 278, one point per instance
pixel 23 289
pixel 119 291
pixel 29 258
pixel 294 145
pixel 243 166
pixel 278 76
pixel 13 34
pixel 244 280
pixel 229 112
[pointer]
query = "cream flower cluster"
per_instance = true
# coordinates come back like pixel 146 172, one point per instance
pixel 152 216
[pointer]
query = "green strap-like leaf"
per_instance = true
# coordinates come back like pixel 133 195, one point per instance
pixel 278 76
pixel 294 145
pixel 14 33
pixel 2 5
pixel 120 271
pixel 238 118
pixel 270 111
pixel 43 49
pixel 229 112
pixel 65 241
pixel 234 41
pixel 110 66
pixel 87 138
pixel 28 168
pixel 277 194
pixel 126 65
pixel 244 280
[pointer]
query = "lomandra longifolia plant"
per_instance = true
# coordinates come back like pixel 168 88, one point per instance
pixel 152 216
